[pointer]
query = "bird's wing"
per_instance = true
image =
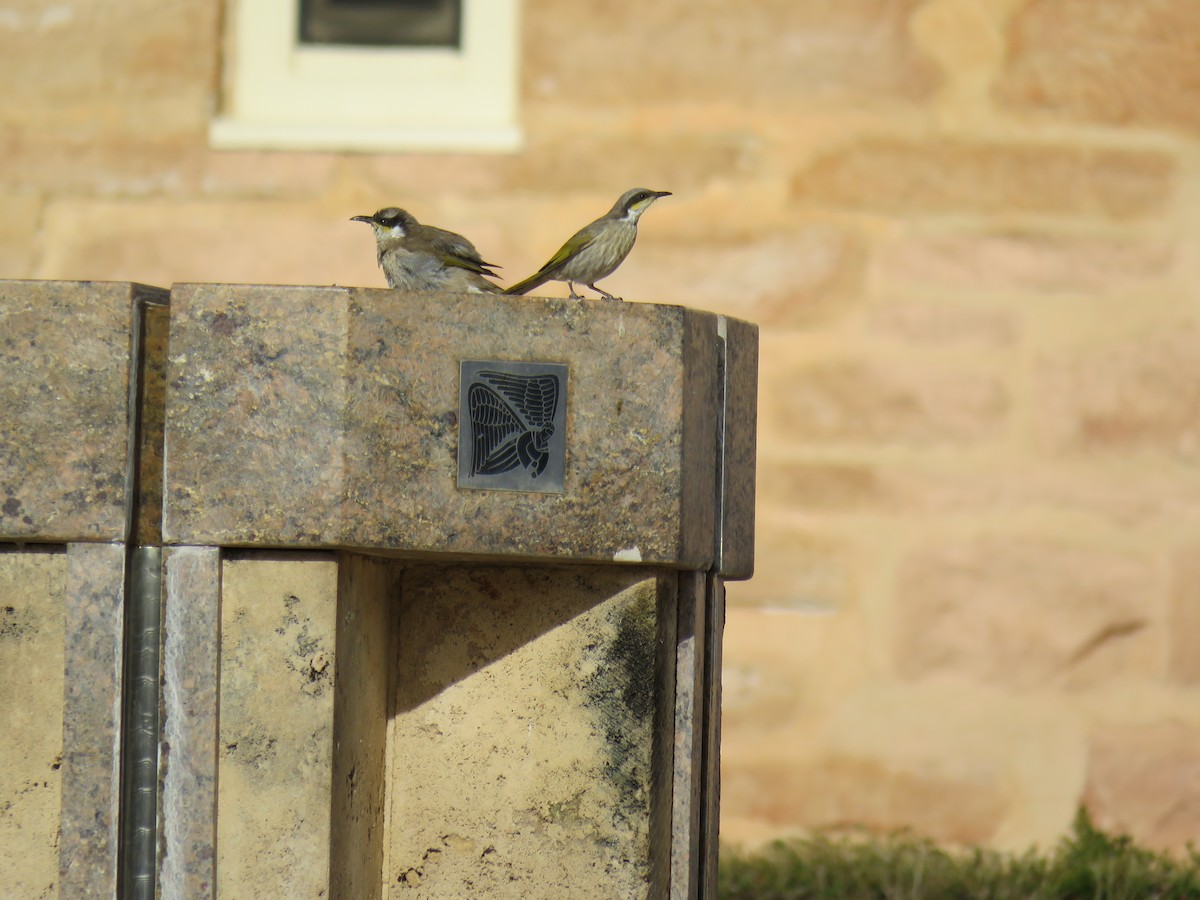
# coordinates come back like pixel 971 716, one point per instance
pixel 455 250
pixel 579 241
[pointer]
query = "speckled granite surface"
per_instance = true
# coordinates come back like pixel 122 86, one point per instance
pixel 65 408
pixel 735 554
pixel 91 779
pixel 188 766
pixel 328 417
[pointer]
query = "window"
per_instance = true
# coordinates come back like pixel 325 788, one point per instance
pixel 370 75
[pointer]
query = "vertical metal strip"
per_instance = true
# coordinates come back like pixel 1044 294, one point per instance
pixel 139 755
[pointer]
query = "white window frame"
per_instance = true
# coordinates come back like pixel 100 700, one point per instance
pixel 280 94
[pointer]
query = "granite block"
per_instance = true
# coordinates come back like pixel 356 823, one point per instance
pixel 66 408
pixel 275 763
pixel 527 706
pixel 32 634
pixel 91 751
pixel 739 427
pixel 190 665
pixel 328 418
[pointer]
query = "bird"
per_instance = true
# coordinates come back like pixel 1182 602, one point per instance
pixel 416 257
pixel 595 251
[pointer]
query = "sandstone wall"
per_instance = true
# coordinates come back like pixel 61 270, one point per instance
pixel 970 231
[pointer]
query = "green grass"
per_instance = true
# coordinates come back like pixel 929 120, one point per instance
pixel 1087 865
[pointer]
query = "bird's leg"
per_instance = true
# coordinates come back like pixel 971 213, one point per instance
pixel 603 293
pixel 574 296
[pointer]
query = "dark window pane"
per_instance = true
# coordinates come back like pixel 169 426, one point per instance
pixel 383 23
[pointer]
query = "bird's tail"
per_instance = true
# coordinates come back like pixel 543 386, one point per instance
pixel 524 287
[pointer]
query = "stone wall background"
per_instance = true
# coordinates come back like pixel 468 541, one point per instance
pixel 970 231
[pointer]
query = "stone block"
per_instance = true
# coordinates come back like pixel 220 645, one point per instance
pixel 1026 262
pixel 189 749
pixel 274 772
pixel 1107 63
pixel 1143 779
pixel 165 241
pixel 314 418
pixel 796 278
pixel 1132 396
pixel 32 639
pixel 138 67
pixel 65 408
pixel 548 710
pixel 1183 663
pixel 1149 501
pixel 849 400
pixel 910 177
pixel 19 232
pixel 94 660
pixel 387 726
pixel 952 325
pixel 772 53
pixel 934 758
pixel 803 569
pixel 1023 612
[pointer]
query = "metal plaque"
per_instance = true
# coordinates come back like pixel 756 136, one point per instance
pixel 512 432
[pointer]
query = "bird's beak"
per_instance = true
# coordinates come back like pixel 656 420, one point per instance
pixel 661 193
pixel 367 219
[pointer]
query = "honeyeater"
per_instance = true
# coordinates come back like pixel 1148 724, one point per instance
pixel 595 251
pixel 416 257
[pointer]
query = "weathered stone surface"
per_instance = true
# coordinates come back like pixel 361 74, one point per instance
pixel 934 758
pixel 878 795
pixel 1183 662
pixel 799 278
pixel 188 755
pixel 957 176
pixel 64 409
pixel 1026 612
pixel 1144 780
pixel 94 660
pixel 1147 499
pixel 18 233
pixel 773 52
pixel 687 750
pixel 801 568
pixel 945 324
pixel 367 592
pixel 1139 395
pixel 79 167
pixel 329 418
pixel 739 449
pixel 274 778
pixel 1025 262
pixel 1105 62
pixel 168 242
pixel 90 67
pixel 548 711
pixel 32 588
pixel 851 400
